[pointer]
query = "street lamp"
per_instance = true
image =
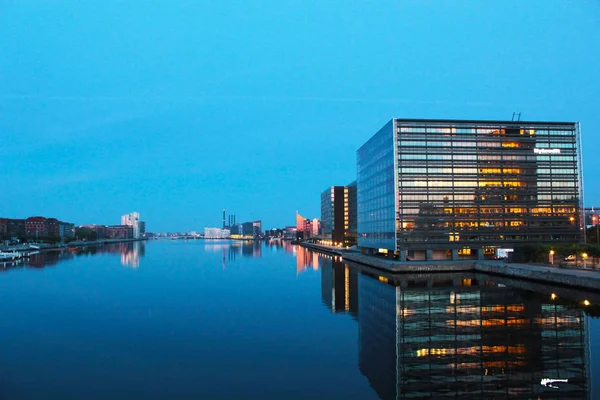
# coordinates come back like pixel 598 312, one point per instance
pixel 551 257
pixel 584 256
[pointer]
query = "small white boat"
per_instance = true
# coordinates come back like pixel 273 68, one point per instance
pixel 10 256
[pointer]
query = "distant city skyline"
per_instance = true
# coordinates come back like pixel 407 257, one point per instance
pixel 167 110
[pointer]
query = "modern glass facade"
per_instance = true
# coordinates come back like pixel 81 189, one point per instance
pixel 376 194
pixel 469 184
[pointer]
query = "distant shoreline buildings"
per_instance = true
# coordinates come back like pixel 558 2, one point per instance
pixel 35 228
pixel 44 229
pixel 232 230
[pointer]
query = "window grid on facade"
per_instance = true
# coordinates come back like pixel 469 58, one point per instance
pixel 470 183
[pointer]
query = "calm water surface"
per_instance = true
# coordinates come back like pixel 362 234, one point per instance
pixel 221 320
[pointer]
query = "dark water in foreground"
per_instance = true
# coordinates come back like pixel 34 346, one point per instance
pixel 220 320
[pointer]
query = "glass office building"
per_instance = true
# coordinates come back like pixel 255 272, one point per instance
pixel 442 185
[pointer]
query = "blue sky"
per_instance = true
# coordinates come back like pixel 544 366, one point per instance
pixel 178 109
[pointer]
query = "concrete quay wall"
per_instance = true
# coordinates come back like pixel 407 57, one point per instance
pixel 574 278
pixel 410 267
pixel 324 249
pixel 568 277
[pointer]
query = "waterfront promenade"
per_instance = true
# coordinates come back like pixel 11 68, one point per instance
pixel 58 246
pixel 581 278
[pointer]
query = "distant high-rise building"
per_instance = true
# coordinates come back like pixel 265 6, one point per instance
pixel 133 220
pixel 338 214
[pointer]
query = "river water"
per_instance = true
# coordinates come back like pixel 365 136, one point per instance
pixel 224 320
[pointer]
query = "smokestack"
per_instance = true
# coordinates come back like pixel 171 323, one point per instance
pixel 234 219
pixel 223 218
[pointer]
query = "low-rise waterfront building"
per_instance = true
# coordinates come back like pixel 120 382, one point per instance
pixel 36 226
pixel 216 233
pixel 290 232
pixel 119 232
pixel 11 228
pixel 438 189
pixel 101 230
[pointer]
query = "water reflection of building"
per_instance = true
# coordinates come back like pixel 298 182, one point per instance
pixel 466 338
pixel 339 286
pixel 48 258
pixel 231 250
pixel 304 258
pixel 131 253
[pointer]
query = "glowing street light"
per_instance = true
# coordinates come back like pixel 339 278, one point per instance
pixel 553 296
pixel 551 257
pixel 586 303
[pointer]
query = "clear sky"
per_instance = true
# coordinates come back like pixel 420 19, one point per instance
pixel 178 109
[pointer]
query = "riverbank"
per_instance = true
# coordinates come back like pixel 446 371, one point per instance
pixel 77 243
pixel 581 278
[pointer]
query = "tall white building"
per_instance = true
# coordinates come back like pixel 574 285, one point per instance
pixel 132 219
